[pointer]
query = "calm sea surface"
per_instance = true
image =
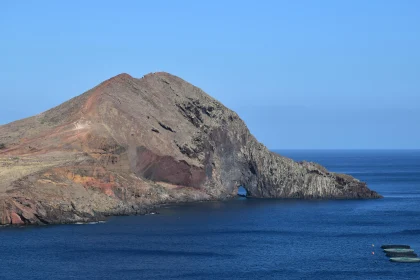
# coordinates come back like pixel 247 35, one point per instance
pixel 241 238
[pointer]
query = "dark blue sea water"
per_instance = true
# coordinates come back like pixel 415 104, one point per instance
pixel 242 238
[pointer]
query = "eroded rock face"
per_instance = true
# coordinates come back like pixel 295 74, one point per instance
pixel 130 144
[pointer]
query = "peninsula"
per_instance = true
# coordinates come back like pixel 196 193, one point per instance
pixel 130 144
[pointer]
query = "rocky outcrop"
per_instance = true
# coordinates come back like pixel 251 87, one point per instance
pixel 130 144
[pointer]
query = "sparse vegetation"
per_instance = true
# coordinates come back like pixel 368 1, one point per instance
pixel 2 146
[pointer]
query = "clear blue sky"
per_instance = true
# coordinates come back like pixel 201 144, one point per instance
pixel 302 74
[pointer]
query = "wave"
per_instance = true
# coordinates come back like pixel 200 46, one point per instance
pixel 90 223
pixel 148 252
pixel 410 232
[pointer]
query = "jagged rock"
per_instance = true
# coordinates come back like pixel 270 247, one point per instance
pixel 166 127
pixel 100 154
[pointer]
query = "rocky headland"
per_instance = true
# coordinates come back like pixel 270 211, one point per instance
pixel 130 144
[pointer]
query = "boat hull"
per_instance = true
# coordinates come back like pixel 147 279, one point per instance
pixel 405 260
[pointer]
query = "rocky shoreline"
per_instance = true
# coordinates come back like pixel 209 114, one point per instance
pixel 129 145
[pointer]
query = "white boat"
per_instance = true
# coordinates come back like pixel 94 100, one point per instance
pixel 405 260
pixel 398 250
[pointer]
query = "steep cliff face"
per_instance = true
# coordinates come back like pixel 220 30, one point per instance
pixel 129 144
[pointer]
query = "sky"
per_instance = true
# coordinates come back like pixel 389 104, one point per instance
pixel 301 74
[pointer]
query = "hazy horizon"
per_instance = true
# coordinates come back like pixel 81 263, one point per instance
pixel 302 75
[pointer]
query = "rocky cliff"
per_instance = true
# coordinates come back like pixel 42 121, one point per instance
pixel 130 144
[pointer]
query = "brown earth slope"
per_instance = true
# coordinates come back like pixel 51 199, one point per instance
pixel 129 144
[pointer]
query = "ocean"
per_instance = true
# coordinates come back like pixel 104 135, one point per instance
pixel 242 238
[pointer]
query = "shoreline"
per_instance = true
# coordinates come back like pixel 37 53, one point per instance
pixel 148 210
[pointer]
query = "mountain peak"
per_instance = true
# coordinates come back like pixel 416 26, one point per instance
pixel 121 77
